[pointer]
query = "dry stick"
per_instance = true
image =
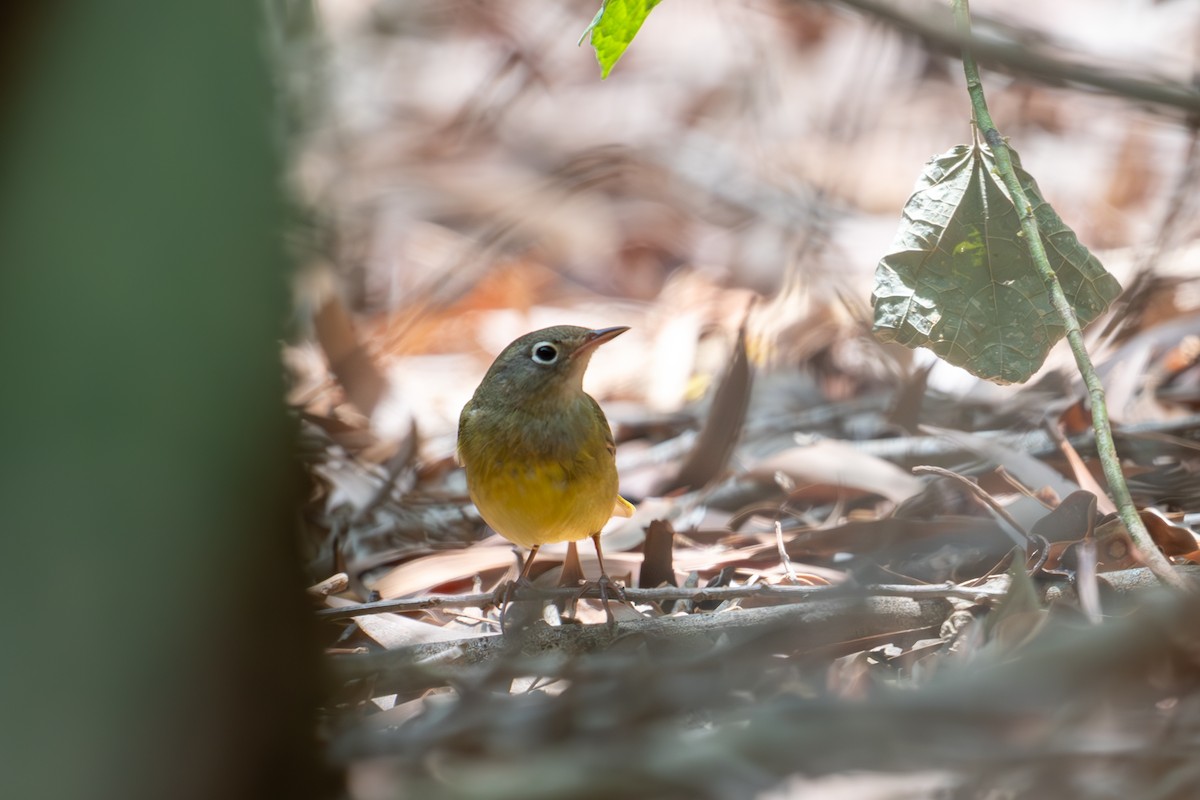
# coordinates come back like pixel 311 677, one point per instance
pixel 542 649
pixel 782 593
pixel 1105 448
pixel 1036 442
pixel 1009 48
pixel 983 497
pixel 831 620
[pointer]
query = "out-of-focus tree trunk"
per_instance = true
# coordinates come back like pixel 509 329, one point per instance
pixel 155 637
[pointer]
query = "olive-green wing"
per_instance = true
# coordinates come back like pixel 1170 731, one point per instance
pixel 622 507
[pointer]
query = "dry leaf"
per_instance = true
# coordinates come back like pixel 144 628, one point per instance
pixel 830 463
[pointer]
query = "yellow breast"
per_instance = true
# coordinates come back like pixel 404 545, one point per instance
pixel 550 479
pixel 531 502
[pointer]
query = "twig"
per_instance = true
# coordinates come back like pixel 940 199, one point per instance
pixel 832 620
pixel 1009 48
pixel 782 593
pixel 1035 442
pixel 543 650
pixel 783 554
pixel 978 493
pixel 1105 447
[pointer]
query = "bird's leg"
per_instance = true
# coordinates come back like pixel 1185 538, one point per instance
pixel 529 563
pixel 605 583
pixel 506 592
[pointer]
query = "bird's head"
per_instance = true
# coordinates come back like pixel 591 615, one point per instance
pixel 546 365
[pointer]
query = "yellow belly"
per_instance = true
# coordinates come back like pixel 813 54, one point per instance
pixel 539 503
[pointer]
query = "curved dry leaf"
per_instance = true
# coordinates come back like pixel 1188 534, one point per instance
pixel 722 426
pixel 1083 476
pixel 1174 539
pixel 396 630
pixel 422 575
pixel 829 462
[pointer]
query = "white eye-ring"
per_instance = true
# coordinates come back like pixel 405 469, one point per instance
pixel 545 353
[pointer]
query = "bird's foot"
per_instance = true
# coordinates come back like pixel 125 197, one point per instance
pixel 608 588
pixel 508 593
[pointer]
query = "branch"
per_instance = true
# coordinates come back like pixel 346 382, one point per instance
pixel 1011 49
pixel 1036 443
pixel 855 622
pixel 545 650
pixel 782 593
pixel 1105 447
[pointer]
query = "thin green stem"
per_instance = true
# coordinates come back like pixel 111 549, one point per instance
pixel 1105 447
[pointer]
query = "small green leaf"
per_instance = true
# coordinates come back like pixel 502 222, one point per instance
pixel 960 280
pixel 614 27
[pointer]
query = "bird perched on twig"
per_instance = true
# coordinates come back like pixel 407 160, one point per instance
pixel 537 449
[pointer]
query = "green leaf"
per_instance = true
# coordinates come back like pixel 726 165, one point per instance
pixel 960 280
pixel 614 27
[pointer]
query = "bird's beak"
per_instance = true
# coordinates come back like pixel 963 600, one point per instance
pixel 593 339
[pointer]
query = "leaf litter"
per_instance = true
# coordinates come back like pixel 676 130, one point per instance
pixel 806 614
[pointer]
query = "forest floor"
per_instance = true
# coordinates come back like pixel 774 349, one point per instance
pixel 853 571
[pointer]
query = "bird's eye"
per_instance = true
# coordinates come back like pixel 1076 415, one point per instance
pixel 545 353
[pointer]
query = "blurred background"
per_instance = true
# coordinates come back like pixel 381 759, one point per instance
pixel 464 176
pixel 469 178
pixel 381 194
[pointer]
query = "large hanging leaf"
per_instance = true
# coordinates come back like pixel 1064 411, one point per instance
pixel 960 280
pixel 614 27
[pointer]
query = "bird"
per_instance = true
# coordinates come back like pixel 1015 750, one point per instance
pixel 537 449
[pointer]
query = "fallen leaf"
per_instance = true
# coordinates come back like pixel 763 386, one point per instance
pixel 831 463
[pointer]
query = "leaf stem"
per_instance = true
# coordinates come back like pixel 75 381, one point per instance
pixel 1105 447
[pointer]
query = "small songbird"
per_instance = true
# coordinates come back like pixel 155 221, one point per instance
pixel 537 449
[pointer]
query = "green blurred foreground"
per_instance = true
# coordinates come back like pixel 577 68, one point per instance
pixel 152 646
